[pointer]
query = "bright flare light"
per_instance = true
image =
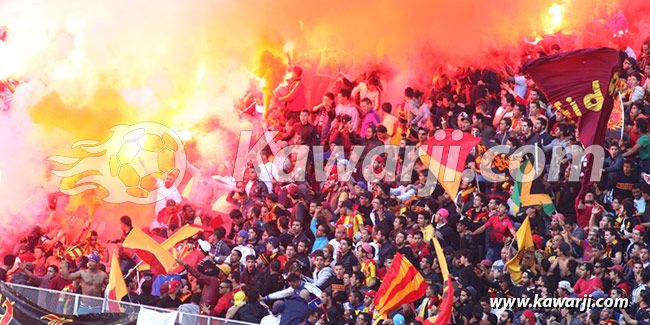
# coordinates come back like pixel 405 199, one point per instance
pixel 555 19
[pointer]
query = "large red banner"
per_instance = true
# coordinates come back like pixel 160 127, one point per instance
pixel 581 84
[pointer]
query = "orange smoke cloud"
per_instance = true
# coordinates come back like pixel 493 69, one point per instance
pixel 87 66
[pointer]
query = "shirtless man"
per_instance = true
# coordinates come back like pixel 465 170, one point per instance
pixel 92 282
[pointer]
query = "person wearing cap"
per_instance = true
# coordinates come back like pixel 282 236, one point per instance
pixel 349 218
pixel 616 275
pixel 172 299
pixel 564 290
pixel 368 264
pixel 208 278
pixel 92 279
pixel 444 232
pixel 243 246
pixel 527 318
pixel 638 236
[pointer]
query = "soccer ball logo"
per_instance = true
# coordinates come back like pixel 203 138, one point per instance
pixel 130 166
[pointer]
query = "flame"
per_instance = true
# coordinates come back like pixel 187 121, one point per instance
pixel 554 22
pixel 201 74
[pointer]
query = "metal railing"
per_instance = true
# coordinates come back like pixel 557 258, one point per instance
pixel 69 303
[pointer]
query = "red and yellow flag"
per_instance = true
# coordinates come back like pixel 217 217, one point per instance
pixel 181 234
pixel 446 305
pixel 402 284
pixel 116 285
pixel 445 154
pixel 152 253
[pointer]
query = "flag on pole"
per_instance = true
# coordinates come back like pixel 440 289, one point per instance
pixel 116 286
pixel 446 305
pixel 528 193
pixel 454 146
pixel 526 246
pixel 402 284
pixel 152 253
pixel 580 84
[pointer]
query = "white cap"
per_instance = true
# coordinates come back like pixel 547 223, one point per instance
pixel 565 285
pixel 205 246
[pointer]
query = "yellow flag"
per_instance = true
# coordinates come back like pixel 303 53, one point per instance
pixel 525 243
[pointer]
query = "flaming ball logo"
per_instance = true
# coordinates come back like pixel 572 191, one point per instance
pixel 129 167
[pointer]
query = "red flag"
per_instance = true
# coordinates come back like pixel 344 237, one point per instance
pixel 445 157
pixel 402 284
pixel 581 84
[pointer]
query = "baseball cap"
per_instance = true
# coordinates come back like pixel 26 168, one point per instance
pixel 243 233
pixel 93 257
pixel 617 268
pixel 174 284
pixel 274 241
pixel 347 204
pixel 225 268
pixel 205 246
pixel 444 214
pixel 399 319
pixel 530 315
pixel 565 285
pixel 640 228
pixel 278 308
pixel 371 293
pixel 239 297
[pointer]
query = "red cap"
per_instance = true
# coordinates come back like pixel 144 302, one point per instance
pixel 174 284
pixel 368 227
pixel 27 257
pixel 529 315
pixel 640 228
pixel 616 267
pixel 371 293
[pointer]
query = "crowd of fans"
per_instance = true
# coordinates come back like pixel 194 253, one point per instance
pixel 315 253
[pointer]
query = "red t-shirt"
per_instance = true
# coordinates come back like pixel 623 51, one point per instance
pixel 500 228
pixel 223 304
pixel 586 287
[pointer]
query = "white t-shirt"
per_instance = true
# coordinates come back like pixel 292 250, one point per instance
pixel 163 194
pixel 362 91
pixel 350 110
